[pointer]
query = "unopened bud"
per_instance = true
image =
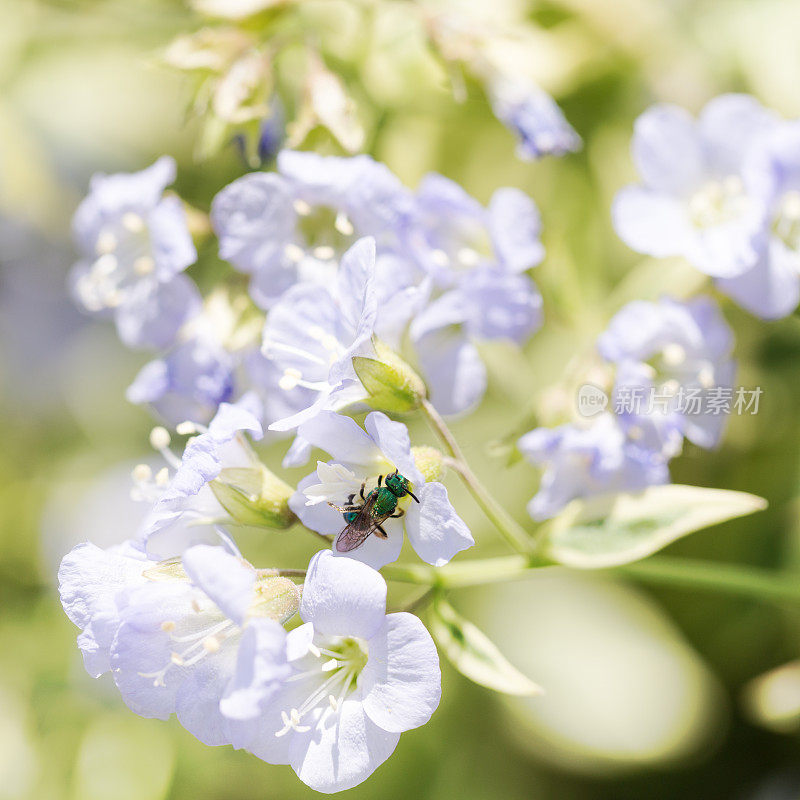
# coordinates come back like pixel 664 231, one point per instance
pixel 254 496
pixel 430 462
pixel 276 598
pixel 391 383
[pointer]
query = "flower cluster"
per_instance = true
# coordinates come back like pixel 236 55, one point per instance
pixel 667 348
pixel 343 291
pixel 724 192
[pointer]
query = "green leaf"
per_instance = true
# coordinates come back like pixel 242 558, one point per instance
pixel 610 530
pixel 474 655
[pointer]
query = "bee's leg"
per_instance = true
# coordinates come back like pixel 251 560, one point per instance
pixel 399 513
pixel 380 480
pixel 361 492
pixel 350 499
pixel 381 533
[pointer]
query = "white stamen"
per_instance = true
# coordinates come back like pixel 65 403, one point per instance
pixel 106 243
pixel 176 659
pixel 468 257
pixel 674 355
pixel 167 626
pixel 440 258
pixel 211 644
pixel 329 665
pixel 133 222
pixel 706 377
pixel 162 477
pixel 185 428
pixel 314 650
pixel 324 253
pixel 104 266
pixel 142 473
pixel 301 207
pixel 290 378
pixel 159 438
pixel 343 224
pixel 144 265
pixel 294 252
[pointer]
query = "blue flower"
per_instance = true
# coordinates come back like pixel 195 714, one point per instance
pixel 134 242
pixel 693 200
pixel 172 633
pixel 293 225
pixel 187 383
pixel 488 304
pixel 678 354
pixel 581 462
pixel 534 117
pixel 359 677
pixel 771 287
pixel 184 507
pixel 313 333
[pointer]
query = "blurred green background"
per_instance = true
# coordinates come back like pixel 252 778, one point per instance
pixel 646 688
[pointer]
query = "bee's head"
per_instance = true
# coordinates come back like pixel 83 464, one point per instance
pixel 399 485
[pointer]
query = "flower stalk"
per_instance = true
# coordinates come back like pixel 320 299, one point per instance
pixel 513 533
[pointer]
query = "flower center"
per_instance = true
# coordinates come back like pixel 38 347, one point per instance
pixel 786 225
pixel 123 255
pixel 194 638
pixel 718 202
pixel 331 676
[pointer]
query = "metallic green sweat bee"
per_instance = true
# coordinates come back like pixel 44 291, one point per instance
pixel 376 507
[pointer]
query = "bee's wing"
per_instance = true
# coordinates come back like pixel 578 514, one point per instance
pixel 355 533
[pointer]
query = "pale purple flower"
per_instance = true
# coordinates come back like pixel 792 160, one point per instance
pixel 771 287
pixel 358 679
pixel 293 225
pixel 134 243
pixel 313 333
pixel 171 633
pixel 185 510
pixel 433 527
pixel 186 383
pixel 534 117
pixel 694 200
pixel 671 358
pixel 585 461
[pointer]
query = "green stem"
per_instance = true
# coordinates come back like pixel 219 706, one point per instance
pixel 740 580
pixel 514 533
pixel 736 579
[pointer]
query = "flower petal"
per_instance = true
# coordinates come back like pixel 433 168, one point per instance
pixel 402 683
pixel 393 441
pixel 342 437
pixel 342 751
pixel 261 667
pixel 224 578
pixel 434 529
pixel 343 597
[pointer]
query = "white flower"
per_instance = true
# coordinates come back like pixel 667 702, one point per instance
pixel 359 678
pixel 434 528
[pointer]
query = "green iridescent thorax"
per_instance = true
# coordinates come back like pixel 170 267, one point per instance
pixel 385 502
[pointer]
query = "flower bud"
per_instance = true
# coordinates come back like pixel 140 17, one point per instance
pixel 390 382
pixel 254 496
pixel 275 597
pixel 430 462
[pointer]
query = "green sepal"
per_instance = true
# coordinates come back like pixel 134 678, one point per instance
pixel 254 496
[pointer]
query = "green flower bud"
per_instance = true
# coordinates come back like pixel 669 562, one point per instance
pixel 392 385
pixel 254 496
pixel 275 597
pixel 430 462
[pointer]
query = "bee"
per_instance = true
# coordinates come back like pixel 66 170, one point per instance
pixel 375 508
